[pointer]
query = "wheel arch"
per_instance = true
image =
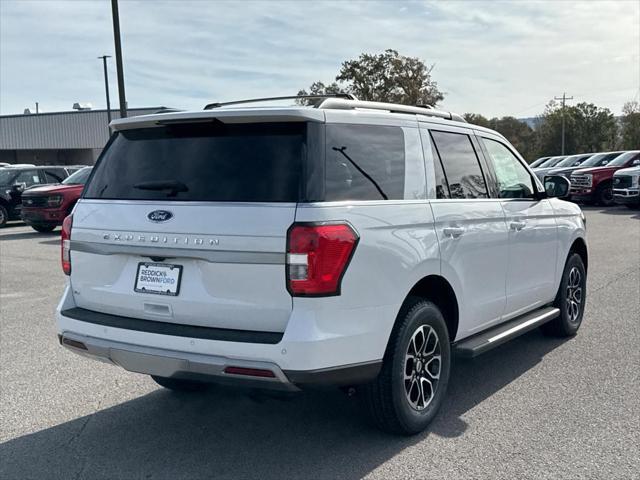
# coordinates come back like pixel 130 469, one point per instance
pixel 579 246
pixel 438 290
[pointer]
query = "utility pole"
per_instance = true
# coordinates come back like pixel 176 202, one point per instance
pixel 119 68
pixel 564 98
pixel 106 89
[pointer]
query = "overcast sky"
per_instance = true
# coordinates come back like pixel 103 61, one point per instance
pixel 494 58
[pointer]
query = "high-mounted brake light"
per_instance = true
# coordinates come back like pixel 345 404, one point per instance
pixel 65 245
pixel 317 257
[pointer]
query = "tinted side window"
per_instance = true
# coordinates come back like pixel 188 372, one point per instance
pixel 364 162
pixel 55 175
pixel 461 166
pixel 442 187
pixel 514 181
pixel 28 177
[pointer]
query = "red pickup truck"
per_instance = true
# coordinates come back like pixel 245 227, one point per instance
pixel 594 185
pixel 44 208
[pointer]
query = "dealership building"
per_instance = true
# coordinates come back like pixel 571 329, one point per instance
pixel 60 138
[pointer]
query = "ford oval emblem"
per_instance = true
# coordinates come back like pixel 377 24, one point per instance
pixel 158 216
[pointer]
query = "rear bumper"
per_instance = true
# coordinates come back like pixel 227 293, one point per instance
pixel 39 216
pixel 212 368
pixel 308 353
pixel 168 363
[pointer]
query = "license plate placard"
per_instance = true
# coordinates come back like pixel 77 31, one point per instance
pixel 158 278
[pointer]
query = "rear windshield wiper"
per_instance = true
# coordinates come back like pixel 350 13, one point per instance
pixel 364 174
pixel 173 186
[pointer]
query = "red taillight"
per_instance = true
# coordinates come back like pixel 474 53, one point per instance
pixel 65 245
pixel 317 257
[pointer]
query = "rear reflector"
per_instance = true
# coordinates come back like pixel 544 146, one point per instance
pixel 317 257
pixel 250 372
pixel 65 245
pixel 74 343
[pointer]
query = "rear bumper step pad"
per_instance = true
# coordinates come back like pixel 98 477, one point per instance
pixel 173 329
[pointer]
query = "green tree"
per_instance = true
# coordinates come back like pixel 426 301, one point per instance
pixel 549 130
pixel 588 128
pixel 630 126
pixel 384 77
pixel 477 119
pixel 595 128
pixel 520 134
pixel 318 88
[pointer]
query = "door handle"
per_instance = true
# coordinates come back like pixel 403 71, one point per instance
pixel 517 225
pixel 453 232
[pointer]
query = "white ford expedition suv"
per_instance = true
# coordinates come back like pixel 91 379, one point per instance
pixel 346 243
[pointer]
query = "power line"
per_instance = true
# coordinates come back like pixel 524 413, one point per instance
pixel 564 99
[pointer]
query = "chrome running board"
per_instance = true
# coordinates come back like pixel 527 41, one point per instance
pixel 477 344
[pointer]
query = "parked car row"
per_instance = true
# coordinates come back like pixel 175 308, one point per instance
pixel 49 193
pixel 602 178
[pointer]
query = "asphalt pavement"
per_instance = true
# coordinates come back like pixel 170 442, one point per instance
pixel 533 408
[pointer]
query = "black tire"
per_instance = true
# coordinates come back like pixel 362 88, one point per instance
pixel 43 228
pixel 570 318
pixel 387 399
pixel 180 385
pixel 604 195
pixel 4 216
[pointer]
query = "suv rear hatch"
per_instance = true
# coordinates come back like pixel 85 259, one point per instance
pixel 186 223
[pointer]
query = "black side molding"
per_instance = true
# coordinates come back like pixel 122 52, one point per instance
pixel 484 341
pixel 348 375
pixel 173 329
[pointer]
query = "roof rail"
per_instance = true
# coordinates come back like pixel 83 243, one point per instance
pixel 168 110
pixel 347 96
pixel 348 104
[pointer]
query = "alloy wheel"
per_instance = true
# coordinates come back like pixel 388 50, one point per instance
pixel 574 295
pixel 422 366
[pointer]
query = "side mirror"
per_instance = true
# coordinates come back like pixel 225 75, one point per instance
pixel 556 186
pixel 18 187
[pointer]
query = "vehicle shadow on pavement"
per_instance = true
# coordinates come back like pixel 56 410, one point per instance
pixel 24 235
pixel 226 434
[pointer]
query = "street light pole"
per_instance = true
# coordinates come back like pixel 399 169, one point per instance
pixel 119 68
pixel 106 89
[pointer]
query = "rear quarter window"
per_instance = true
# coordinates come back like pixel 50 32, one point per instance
pixel 364 162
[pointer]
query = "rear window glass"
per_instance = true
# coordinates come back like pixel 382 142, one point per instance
pixel 55 175
pixel 364 162
pixel 78 178
pixel 203 162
